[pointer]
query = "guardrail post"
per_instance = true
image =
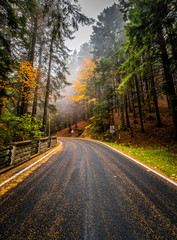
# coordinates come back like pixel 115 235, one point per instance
pixel 13 155
pixel 22 151
pixel 53 141
pixel 39 146
pixel 43 144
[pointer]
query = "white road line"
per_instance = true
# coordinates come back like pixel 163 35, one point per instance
pixel 17 174
pixel 150 169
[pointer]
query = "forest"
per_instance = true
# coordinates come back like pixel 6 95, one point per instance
pixel 128 69
pixel 33 62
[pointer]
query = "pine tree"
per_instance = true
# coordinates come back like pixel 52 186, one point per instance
pixel 147 26
pixel 107 31
pixel 64 18
pixel 12 25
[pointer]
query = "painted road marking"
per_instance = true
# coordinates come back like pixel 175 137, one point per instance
pixel 25 169
pixel 148 168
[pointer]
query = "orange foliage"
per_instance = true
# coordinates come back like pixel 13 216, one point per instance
pixel 22 81
pixel 82 86
pixel 26 78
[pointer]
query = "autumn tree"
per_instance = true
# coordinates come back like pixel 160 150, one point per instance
pixel 84 87
pixel 64 18
pixel 12 26
pixel 24 76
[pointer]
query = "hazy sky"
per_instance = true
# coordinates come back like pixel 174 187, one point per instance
pixel 90 8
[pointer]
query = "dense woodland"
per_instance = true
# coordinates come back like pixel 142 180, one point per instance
pixel 133 66
pixel 129 63
pixel 33 59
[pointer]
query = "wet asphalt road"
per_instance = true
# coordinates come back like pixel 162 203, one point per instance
pixel 87 191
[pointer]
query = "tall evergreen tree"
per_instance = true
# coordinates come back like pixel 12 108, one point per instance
pixel 64 18
pixel 107 31
pixel 148 24
pixel 13 19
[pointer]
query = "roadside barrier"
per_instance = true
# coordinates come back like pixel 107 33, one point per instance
pixel 5 155
pixel 18 152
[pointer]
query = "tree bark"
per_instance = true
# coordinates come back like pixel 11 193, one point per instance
pixel 129 103
pixel 133 102
pixel 122 121
pixel 33 42
pixel 142 91
pixel 148 96
pixel 139 104
pixel 172 40
pixel 34 110
pixel 2 93
pixel 126 113
pixel 26 91
pixel 170 89
pixel 159 122
pixel 46 103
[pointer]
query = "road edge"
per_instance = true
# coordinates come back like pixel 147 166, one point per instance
pixel 136 161
pixel 20 172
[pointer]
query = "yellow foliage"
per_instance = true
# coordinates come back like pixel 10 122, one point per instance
pixel 82 86
pixel 23 81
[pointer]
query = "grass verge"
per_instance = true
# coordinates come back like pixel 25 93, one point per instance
pixel 158 159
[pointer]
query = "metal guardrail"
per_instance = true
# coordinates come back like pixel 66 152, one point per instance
pixel 34 147
pixel 4 156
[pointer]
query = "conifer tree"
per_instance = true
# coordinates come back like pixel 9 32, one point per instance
pixel 12 25
pixel 107 31
pixel 64 18
pixel 148 25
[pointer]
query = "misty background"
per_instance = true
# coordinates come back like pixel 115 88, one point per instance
pixel 81 49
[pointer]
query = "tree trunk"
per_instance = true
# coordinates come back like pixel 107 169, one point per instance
pixel 25 101
pixel 18 106
pixel 129 103
pixel 46 103
pixel 126 113
pixel 142 92
pixel 118 96
pixel 34 110
pixel 133 103
pixel 139 104
pixel 122 121
pixel 2 93
pixel 172 40
pixel 159 123
pixel 170 89
pixel 148 96
pixel 127 117
pixel 33 42
pixel 26 91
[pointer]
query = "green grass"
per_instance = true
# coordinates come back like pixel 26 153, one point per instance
pixel 157 158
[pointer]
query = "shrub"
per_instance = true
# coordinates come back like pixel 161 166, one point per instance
pixel 14 128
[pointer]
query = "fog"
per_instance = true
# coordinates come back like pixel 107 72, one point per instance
pixel 91 8
pixel 81 49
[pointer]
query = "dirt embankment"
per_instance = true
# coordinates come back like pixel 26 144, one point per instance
pixel 153 137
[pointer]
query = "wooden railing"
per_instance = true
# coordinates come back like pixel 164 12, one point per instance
pixel 22 151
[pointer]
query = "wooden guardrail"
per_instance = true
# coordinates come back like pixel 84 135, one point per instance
pixel 5 155
pixel 22 151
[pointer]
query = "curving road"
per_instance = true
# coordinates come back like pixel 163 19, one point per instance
pixel 88 191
